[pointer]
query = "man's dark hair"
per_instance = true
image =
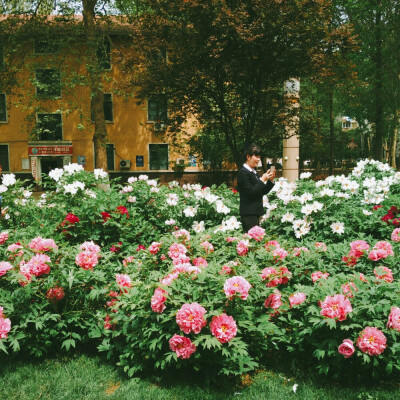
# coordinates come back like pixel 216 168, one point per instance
pixel 252 150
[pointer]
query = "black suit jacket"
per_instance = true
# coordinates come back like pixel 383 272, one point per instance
pixel 251 190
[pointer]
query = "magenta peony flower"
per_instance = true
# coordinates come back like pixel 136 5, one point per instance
pixel 4 267
pixel 257 233
pixel 237 284
pixel 122 210
pixel 86 260
pixel 297 298
pixel 315 276
pixel 37 265
pixel 158 300
pixel 336 307
pixel 372 341
pixel 384 274
pixel 154 248
pixel 123 280
pixel 5 326
pixel 3 237
pixel 55 293
pixel 90 246
pixel 176 249
pixel 182 346
pixel 242 247
pixel 396 235
pixel 190 318
pixel 346 348
pixel 273 300
pixel 223 327
pixel 394 319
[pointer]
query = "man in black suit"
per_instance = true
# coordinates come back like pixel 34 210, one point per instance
pixel 252 188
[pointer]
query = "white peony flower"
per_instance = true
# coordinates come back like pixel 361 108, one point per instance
pixel 198 227
pixel 305 175
pixel 132 179
pixel 9 180
pixel 337 227
pixel 100 173
pixel 56 174
pixel 190 211
pixel 170 222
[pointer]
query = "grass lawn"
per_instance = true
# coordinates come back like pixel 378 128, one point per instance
pixel 89 377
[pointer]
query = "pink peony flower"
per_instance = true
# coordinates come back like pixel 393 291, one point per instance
pixel 182 259
pixel 176 249
pixel 376 255
pixel 336 307
pixel 182 234
pixel 37 265
pixel 42 245
pixel 358 248
pixel 4 267
pixel 5 326
pixel 237 284
pixel 158 299
pixel 128 260
pixel 122 210
pixel 315 276
pixel 190 318
pixel 140 247
pixel 349 289
pixel 3 237
pixel 90 246
pixel 396 235
pixel 223 327
pixel 394 319
pixel 372 341
pixel 154 248
pixel 13 248
pixel 279 253
pixel 362 278
pixel 170 278
pixel 273 300
pixel 298 250
pixel 123 280
pixel 200 262
pixel 231 239
pixel 55 293
pixel 86 260
pixel 346 348
pixel 321 246
pixel 384 274
pixel 257 233
pixel 107 323
pixel 383 245
pixel 297 298
pixel 70 219
pixel 182 346
pixel 207 246
pixel 242 247
pixel 105 215
pixel 271 245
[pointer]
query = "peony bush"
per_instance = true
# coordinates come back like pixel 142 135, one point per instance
pixel 161 276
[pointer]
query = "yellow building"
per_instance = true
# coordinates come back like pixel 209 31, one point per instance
pixel 44 125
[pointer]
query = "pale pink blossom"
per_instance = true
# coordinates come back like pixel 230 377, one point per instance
pixel 13 248
pixel 154 248
pixel 86 260
pixel 372 341
pixel 298 250
pixel 200 262
pixel 207 246
pixel 383 274
pixel 273 300
pixel 358 248
pixel 384 245
pixel 223 327
pixel 396 235
pixel 4 267
pixel 169 278
pixel 123 280
pixel 280 253
pixel 349 289
pixel 128 260
pixel 25 271
pixel 394 319
pixel 242 247
pixel 190 318
pixel 5 326
pixel 321 246
pixel 315 276
pixel 3 237
pixel 158 299
pixel 336 307
pixel 237 284
pixel 182 346
pixel 176 249
pixel 42 245
pixel 182 234
pixel 377 254
pixel 346 348
pixel 38 266
pixel 297 298
pixel 90 246
pixel 257 233
pixel 272 244
pixel 182 259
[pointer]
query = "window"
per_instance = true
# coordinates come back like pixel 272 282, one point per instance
pixel 3 108
pixel 157 108
pixel 110 157
pixel 4 160
pixel 48 127
pixel 104 54
pixel 346 125
pixel 158 156
pixel 48 83
pixel 46 45
pixel 108 108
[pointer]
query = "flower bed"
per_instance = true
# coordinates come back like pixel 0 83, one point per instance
pixel 162 276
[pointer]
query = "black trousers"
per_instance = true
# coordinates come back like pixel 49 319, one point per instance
pixel 248 221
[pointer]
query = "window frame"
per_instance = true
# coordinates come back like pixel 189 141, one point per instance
pixel 104 111
pixel 5 109
pixel 46 95
pixel 51 48
pixel 8 157
pixel 61 126
pixel 107 52
pixel 150 160
pixel 163 117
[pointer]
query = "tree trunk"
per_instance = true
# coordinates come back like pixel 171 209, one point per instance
pixel 378 86
pixel 331 133
pixel 94 75
pixel 393 143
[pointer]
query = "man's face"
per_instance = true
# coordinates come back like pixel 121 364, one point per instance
pixel 252 161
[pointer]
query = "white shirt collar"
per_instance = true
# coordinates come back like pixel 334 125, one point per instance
pixel 249 168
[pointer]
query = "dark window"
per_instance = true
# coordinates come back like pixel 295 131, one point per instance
pixel 49 127
pixel 3 108
pixel 108 108
pixel 158 156
pixel 157 108
pixel 110 157
pixel 46 45
pixel 48 83
pixel 104 54
pixel 2 62
pixel 4 161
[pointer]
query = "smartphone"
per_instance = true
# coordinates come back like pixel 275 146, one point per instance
pixel 272 168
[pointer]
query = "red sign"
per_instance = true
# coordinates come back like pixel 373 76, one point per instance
pixel 49 150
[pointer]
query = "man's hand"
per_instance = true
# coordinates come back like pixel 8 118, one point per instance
pixel 269 175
